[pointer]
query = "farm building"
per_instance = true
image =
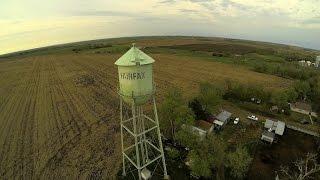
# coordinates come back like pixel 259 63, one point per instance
pixel 268 136
pixel 272 128
pixel 276 126
pixel 305 63
pixel 222 119
pixel 202 128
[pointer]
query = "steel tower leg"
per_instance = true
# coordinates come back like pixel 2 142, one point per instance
pixel 141 129
pixel 141 158
pixel 144 137
pixel 159 138
pixel 136 139
pixel 121 124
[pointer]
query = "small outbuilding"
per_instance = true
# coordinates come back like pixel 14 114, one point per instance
pixel 201 128
pixel 222 119
pixel 268 136
pixel 204 125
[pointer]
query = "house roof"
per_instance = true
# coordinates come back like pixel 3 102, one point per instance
pixel 280 128
pixel 268 124
pixel 277 126
pixel 267 136
pixel 204 125
pixel 195 130
pixel 220 123
pixel 132 56
pixel 199 131
pixel 224 116
pixel 302 105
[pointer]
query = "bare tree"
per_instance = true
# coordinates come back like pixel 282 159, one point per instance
pixel 304 168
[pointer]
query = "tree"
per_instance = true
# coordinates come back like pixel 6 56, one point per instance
pixel 173 153
pixel 198 165
pixel 206 155
pixel 302 88
pixel 198 110
pixel 239 162
pixel 243 92
pixel 210 96
pixel 315 93
pixel 306 168
pixel 292 95
pixel 186 137
pixel 280 99
pixel 174 112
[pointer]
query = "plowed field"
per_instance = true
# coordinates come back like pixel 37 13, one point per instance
pixel 53 125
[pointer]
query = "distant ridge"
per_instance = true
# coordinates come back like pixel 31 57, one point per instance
pixel 72 44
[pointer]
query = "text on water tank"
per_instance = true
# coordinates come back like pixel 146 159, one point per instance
pixel 132 76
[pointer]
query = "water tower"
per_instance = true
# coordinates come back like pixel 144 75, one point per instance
pixel 140 134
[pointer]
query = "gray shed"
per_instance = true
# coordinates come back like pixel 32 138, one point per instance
pixel 222 118
pixel 267 136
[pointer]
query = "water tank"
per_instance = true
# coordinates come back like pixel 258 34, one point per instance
pixel 135 76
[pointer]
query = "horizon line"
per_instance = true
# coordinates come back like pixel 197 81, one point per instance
pixel 139 36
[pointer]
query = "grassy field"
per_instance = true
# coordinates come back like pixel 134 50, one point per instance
pixel 52 124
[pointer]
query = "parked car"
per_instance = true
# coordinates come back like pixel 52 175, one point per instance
pixel 253 117
pixel 236 120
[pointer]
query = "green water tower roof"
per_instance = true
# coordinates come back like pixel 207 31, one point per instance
pixel 134 56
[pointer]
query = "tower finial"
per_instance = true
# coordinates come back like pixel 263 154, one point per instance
pixel 133 44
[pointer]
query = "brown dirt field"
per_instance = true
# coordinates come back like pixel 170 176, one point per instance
pixel 52 127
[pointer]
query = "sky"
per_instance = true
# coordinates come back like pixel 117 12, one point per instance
pixel 27 24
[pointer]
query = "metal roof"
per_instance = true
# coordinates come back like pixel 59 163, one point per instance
pixel 220 123
pixel 280 128
pixel 277 126
pixel 204 125
pixel 133 57
pixel 268 124
pixel 267 136
pixel 224 116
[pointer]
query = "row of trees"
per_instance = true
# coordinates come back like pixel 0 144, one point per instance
pixel 209 155
pixel 286 70
pixel 307 88
pixel 300 91
pixel 244 93
pixel 297 56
